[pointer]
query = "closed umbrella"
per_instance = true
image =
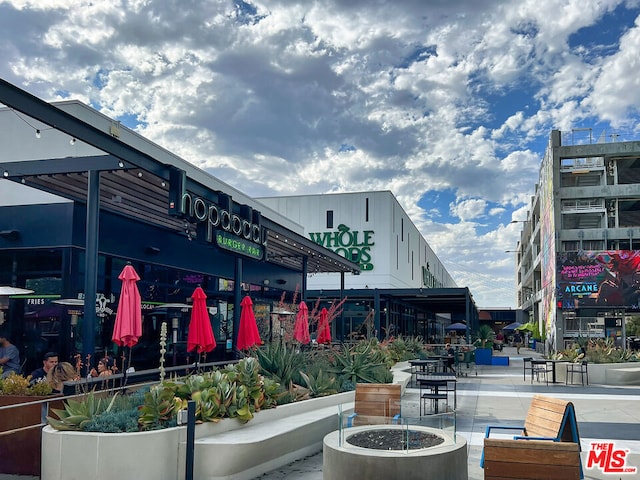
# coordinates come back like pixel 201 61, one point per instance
pixel 128 325
pixel 200 337
pixel 248 334
pixel 324 332
pixel 301 327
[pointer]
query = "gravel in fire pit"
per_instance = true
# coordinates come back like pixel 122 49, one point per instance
pixel 394 439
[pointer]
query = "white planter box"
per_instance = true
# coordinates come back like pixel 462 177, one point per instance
pixel 604 373
pixel 160 454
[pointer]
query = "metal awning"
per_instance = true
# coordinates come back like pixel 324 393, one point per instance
pixel 136 185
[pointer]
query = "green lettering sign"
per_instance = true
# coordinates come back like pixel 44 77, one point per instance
pixel 350 244
pixel 238 245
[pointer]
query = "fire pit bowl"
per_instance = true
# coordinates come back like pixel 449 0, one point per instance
pixel 443 457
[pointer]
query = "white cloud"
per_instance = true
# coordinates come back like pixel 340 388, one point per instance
pixel 265 95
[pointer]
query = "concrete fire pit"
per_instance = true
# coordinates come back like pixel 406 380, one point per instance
pixel 446 460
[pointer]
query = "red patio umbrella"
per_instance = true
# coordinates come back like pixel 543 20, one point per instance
pixel 324 332
pixel 200 337
pixel 301 327
pixel 128 325
pixel 248 334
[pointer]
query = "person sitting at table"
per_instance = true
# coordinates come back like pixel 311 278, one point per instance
pixel 62 372
pixel 450 357
pixel 106 367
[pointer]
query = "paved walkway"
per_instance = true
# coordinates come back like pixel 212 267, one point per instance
pixel 499 395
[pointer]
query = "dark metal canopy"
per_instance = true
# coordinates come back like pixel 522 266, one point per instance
pixel 438 300
pixel 134 184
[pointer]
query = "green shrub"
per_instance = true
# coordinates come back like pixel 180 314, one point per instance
pixel 114 422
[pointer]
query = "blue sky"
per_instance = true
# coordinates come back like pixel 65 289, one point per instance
pixel 448 104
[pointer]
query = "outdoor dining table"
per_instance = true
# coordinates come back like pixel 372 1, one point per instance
pixel 427 365
pixel 552 362
pixel 437 383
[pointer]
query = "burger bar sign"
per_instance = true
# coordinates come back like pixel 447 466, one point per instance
pixel 240 233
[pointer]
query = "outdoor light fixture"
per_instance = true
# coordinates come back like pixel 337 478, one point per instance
pixel 121 164
pixel 5 174
pixel 37 133
pixel 72 141
pixel 10 234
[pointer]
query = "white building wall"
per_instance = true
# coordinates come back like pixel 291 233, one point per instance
pixel 397 249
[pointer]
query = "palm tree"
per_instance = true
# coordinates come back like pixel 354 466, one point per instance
pixel 484 334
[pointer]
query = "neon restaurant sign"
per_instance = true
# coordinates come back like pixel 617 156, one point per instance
pixel 350 244
pixel 239 233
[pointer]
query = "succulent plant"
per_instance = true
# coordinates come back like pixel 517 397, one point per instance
pixel 77 413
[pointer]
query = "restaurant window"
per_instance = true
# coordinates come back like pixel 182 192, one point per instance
pixel 329 218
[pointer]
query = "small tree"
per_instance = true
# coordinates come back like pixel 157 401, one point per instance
pixel 484 334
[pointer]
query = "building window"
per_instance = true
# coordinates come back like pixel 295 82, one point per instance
pixel 366 209
pixel 592 245
pixel 329 218
pixel 572 246
pixel 402 229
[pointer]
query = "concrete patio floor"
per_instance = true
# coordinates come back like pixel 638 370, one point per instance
pixel 499 395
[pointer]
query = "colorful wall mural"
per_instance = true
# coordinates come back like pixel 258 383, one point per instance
pixel 603 278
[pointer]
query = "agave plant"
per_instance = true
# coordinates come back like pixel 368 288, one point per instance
pixel 77 414
pixel 281 363
pixel 321 384
pixel 361 364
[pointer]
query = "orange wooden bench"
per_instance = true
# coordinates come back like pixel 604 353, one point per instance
pixel 548 419
pixel 533 459
pixel 376 403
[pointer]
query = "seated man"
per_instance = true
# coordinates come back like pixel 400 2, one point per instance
pixel 451 359
pixel 49 360
pixel 9 356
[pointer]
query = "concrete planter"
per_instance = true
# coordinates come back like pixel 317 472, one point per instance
pixel 483 356
pixel 104 456
pixel 159 454
pixel 626 373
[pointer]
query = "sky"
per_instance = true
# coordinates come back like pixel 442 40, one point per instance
pixel 448 104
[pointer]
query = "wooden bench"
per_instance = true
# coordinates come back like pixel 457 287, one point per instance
pixel 376 403
pixel 533 459
pixel 548 419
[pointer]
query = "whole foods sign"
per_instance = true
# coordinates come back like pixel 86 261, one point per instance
pixel 350 244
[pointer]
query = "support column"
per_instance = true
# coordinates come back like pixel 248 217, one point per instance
pixel 91 265
pixel 303 288
pixel 237 298
pixel 376 316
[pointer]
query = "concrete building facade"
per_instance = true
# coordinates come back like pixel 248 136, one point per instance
pixel 371 229
pixel 402 288
pixel 578 258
